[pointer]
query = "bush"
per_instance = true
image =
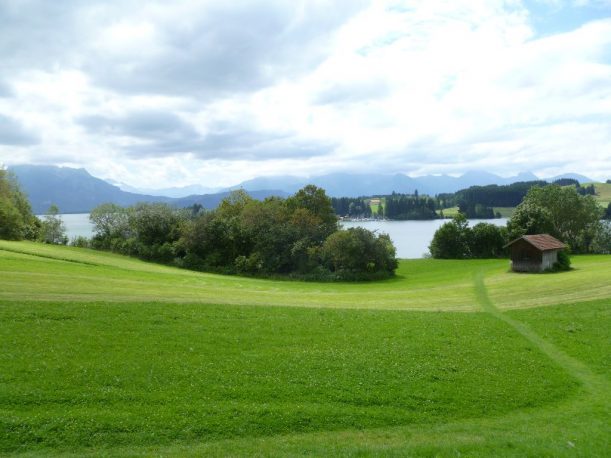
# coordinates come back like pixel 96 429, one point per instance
pixel 358 254
pixel 563 262
pixel 451 240
pixel 80 242
pixel 602 241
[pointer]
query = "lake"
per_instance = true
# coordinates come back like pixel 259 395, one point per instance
pixel 77 224
pixel 411 238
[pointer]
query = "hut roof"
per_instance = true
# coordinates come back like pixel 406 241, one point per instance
pixel 543 242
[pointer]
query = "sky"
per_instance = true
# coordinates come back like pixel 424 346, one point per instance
pixel 159 94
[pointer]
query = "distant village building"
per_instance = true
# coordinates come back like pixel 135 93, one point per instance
pixel 534 253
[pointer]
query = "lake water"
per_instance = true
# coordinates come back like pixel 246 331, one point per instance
pixel 411 238
pixel 77 224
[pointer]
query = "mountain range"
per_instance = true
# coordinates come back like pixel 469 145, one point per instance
pixel 76 191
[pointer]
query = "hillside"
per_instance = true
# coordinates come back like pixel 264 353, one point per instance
pixel 110 355
pixel 603 193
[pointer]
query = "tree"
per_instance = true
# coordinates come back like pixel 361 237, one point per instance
pixel 110 223
pixel 155 228
pixel 451 240
pixel 16 218
pixel 487 240
pixel 357 253
pixel 560 211
pixel 315 201
pixel 602 241
pixel 529 218
pixel 52 229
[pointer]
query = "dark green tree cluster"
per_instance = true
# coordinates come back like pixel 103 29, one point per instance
pixel 478 201
pixel 566 182
pixel 17 222
pixel 589 190
pixel 351 207
pixel 410 207
pixel 561 212
pixel 298 236
pixel 149 231
pixel 456 240
pixel 358 254
pixel 607 212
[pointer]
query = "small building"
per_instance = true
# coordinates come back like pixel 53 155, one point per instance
pixel 534 253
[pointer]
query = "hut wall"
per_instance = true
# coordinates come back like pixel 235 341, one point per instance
pixel 526 266
pixel 525 257
pixel 549 258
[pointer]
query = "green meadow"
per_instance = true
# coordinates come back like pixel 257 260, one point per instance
pixel 603 193
pixel 104 355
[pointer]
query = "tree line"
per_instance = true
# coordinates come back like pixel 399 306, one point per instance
pixel 563 212
pixel 394 206
pixel 297 237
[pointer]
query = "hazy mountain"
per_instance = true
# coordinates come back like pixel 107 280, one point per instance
pixel 574 176
pixel 177 191
pixel 354 185
pixel 76 191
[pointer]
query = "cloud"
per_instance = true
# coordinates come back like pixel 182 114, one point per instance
pixel 352 92
pixel 203 90
pixel 140 124
pixel 231 143
pixel 5 90
pixel 213 49
pixel 12 132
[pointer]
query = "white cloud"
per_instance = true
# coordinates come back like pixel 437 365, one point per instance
pixel 191 92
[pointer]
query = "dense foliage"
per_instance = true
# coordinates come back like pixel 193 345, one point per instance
pixel 298 236
pixel 412 207
pixel 17 222
pixel 561 212
pixel 456 240
pixel 358 253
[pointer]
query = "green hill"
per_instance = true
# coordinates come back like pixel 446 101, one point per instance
pixel 106 355
pixel 603 193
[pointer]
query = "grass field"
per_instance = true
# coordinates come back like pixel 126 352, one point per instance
pixel 603 193
pixel 106 355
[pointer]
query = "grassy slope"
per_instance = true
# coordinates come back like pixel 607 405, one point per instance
pixel 420 284
pixel 175 377
pixel 603 193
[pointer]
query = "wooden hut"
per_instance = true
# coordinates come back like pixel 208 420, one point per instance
pixel 534 253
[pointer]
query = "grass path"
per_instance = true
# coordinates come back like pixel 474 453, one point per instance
pixel 592 382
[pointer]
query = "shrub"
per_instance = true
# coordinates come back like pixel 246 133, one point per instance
pixel 563 262
pixel 357 253
pixel 80 242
